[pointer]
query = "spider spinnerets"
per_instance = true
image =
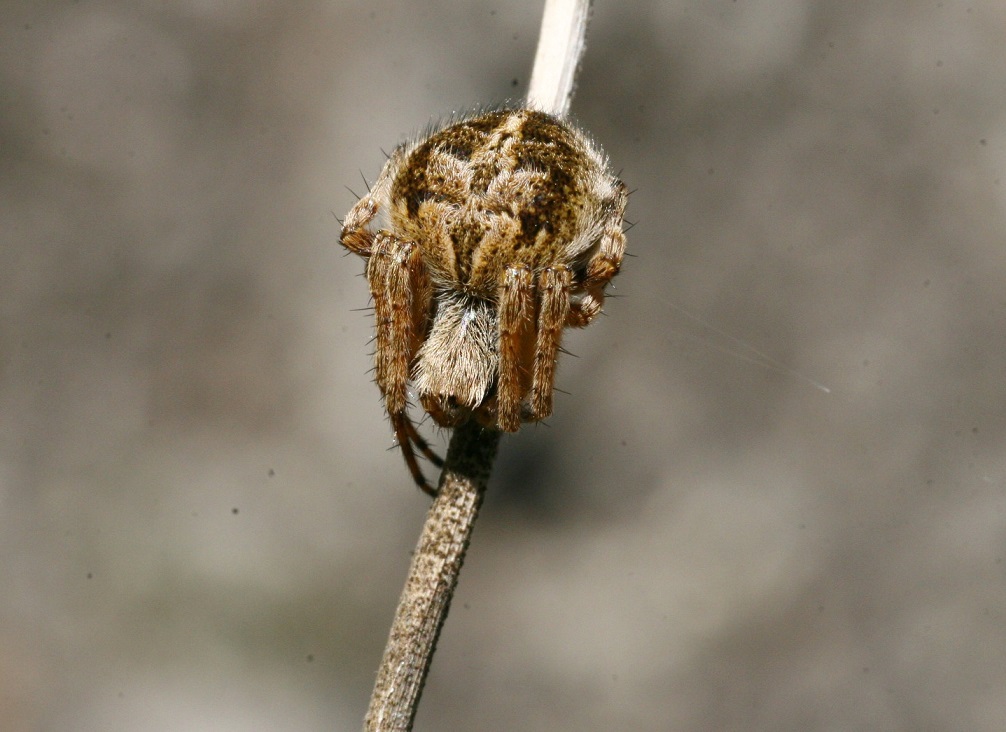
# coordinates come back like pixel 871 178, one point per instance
pixel 499 231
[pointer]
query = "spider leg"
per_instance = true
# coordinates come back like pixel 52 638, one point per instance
pixel 604 264
pixel 422 445
pixel 355 235
pixel 553 311
pixel 405 431
pixel 390 274
pixel 401 292
pixel 516 317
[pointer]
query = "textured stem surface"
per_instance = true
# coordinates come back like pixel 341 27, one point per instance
pixel 432 578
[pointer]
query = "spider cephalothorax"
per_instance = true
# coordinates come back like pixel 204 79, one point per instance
pixel 499 231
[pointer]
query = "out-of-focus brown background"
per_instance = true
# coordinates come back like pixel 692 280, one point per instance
pixel 774 497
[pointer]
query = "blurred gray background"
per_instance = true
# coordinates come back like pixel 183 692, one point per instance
pixel 774 497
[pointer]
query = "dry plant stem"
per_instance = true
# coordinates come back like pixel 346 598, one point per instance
pixel 560 47
pixel 433 574
pixel 432 578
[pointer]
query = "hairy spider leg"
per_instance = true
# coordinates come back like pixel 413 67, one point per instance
pixel 355 235
pixel 402 298
pixel 422 445
pixel 603 265
pixel 516 317
pixel 553 310
pixel 407 436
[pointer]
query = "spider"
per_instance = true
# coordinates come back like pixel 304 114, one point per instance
pixel 500 230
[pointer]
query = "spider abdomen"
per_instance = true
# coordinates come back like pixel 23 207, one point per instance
pixel 512 187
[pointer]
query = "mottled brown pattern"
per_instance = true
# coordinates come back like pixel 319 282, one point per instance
pixel 504 228
pixel 525 173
